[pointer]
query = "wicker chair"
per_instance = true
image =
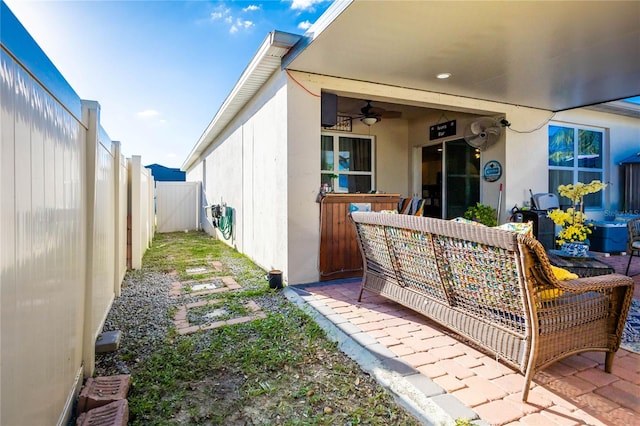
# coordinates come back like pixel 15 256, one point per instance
pixel 495 288
pixel 633 243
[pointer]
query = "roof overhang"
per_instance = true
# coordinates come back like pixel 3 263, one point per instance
pixel 552 55
pixel 628 109
pixel 264 63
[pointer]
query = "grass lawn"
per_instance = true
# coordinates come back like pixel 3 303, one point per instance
pixel 280 369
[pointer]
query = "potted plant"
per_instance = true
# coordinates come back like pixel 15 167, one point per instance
pixel 573 235
pixel 482 213
pixel 333 178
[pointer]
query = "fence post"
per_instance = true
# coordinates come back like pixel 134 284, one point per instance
pixel 199 207
pixel 151 211
pixel 135 166
pixel 117 239
pixel 91 119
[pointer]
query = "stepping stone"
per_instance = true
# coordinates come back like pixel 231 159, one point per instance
pixel 197 270
pixel 216 313
pixel 206 286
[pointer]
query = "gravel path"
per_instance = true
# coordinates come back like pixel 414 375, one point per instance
pixel 140 313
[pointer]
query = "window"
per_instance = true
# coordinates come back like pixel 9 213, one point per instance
pixel 575 155
pixel 350 159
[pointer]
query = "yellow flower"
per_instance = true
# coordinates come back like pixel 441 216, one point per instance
pixel 576 192
pixel 573 219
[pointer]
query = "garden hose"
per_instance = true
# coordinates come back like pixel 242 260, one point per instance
pixel 226 223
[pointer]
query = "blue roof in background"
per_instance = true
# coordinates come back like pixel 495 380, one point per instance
pixel 633 100
pixel 166 174
pixel 632 159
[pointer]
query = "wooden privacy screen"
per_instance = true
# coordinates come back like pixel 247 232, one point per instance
pixel 339 253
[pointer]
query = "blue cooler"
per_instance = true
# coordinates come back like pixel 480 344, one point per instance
pixel 608 237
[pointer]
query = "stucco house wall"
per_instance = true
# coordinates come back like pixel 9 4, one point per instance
pixel 247 170
pixel 623 140
pixel 303 181
pixel 266 166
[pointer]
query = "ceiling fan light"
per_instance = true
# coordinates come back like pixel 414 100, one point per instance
pixel 369 121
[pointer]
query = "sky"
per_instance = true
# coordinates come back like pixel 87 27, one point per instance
pixel 160 70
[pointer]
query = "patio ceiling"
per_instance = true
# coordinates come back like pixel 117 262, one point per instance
pixel 553 55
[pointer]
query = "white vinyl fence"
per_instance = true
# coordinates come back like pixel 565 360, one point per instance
pixel 66 194
pixel 177 206
pixel 140 211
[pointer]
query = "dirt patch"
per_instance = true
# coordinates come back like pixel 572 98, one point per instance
pixel 203 396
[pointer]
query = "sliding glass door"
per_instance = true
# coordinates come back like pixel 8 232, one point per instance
pixel 462 183
pixel 459 164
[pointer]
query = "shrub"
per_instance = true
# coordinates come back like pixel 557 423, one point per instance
pixel 482 213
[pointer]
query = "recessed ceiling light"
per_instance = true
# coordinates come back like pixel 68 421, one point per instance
pixel 443 75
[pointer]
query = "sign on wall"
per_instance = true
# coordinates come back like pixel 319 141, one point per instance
pixel 441 130
pixel 492 171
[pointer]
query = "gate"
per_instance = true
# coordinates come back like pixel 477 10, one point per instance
pixel 177 206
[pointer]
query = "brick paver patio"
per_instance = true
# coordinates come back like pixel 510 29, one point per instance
pixel 573 391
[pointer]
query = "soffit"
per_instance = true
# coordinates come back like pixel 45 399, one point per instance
pixel 549 55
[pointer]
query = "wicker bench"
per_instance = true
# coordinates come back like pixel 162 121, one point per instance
pixel 493 287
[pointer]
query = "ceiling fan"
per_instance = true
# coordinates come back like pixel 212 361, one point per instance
pixel 371 114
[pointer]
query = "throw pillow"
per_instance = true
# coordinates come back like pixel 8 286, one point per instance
pixel 561 274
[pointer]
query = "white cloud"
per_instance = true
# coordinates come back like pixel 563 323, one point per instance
pixel 245 24
pixel 304 4
pixel 240 24
pixel 224 14
pixel 304 25
pixel 152 118
pixel 221 12
pixel 148 113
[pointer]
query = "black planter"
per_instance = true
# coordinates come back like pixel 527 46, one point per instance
pixel 275 278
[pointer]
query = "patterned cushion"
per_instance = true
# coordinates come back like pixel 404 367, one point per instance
pixel 525 228
pixel 463 220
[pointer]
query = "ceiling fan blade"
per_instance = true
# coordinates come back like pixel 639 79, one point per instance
pixel 372 111
pixel 392 114
pixel 376 111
